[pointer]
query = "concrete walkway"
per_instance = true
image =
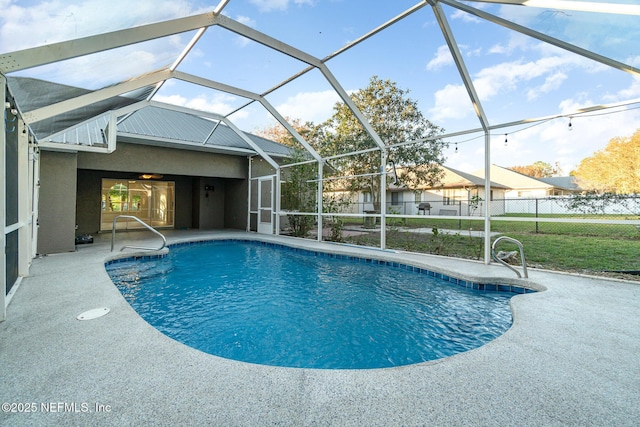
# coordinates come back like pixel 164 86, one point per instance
pixel 572 357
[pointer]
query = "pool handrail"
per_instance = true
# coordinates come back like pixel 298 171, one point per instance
pixel 113 234
pixel 520 246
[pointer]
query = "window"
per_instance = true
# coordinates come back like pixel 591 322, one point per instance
pixel 448 197
pixel 395 198
pixel 153 202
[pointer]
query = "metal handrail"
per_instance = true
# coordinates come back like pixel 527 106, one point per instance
pixel 113 234
pixel 524 263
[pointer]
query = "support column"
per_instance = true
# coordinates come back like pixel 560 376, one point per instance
pixel 319 199
pixel 383 199
pixel 24 195
pixel 249 195
pixel 487 196
pixel 3 199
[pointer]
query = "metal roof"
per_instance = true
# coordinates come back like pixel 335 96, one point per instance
pixel 85 126
pixel 32 94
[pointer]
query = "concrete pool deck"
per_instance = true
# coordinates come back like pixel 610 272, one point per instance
pixel 572 357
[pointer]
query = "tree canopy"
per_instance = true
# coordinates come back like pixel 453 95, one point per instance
pixel 615 169
pixel 538 169
pixel 278 133
pixel 396 118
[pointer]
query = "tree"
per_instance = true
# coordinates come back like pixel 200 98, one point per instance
pixel 298 192
pixel 538 169
pixel 396 119
pixel 615 169
pixel 278 133
pixel 298 189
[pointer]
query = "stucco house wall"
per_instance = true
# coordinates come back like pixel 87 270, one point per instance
pixel 70 193
pixel 57 210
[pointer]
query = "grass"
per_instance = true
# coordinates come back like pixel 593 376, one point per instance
pixel 556 246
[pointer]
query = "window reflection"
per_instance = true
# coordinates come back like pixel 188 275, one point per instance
pixel 150 201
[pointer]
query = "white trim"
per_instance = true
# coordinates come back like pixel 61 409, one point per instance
pixel 12 292
pixel 3 201
pixel 13 227
pixel 73 148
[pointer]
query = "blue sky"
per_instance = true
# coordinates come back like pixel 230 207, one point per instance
pixel 516 76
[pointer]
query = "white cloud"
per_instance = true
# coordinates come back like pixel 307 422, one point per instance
pixel 218 104
pixel 631 92
pixel 550 84
pixel 515 43
pixel 451 102
pixel 246 21
pixel 634 60
pixel 441 59
pixel 241 40
pixel 309 106
pixel 54 21
pixel 465 17
pixel 552 142
pixel 510 76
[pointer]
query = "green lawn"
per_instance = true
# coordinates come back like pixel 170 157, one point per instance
pixel 555 246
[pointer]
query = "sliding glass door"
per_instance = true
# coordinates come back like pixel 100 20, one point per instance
pixel 153 202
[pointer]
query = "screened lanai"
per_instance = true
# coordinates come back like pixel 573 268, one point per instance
pixel 504 81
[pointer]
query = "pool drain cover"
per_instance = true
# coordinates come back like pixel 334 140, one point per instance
pixel 93 314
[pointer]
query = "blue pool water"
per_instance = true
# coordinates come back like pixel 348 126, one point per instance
pixel 277 306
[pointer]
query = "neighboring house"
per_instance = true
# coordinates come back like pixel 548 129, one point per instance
pixel 458 193
pixel 463 194
pixel 563 185
pixel 524 186
pixel 534 196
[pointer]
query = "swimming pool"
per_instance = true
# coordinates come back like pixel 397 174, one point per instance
pixel 274 305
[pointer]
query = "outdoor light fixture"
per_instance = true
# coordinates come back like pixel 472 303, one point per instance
pixel 150 176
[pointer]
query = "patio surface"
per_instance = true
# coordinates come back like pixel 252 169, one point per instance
pixel 572 357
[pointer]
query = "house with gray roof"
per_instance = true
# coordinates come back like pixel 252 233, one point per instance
pixel 524 186
pixel 458 193
pixel 166 166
